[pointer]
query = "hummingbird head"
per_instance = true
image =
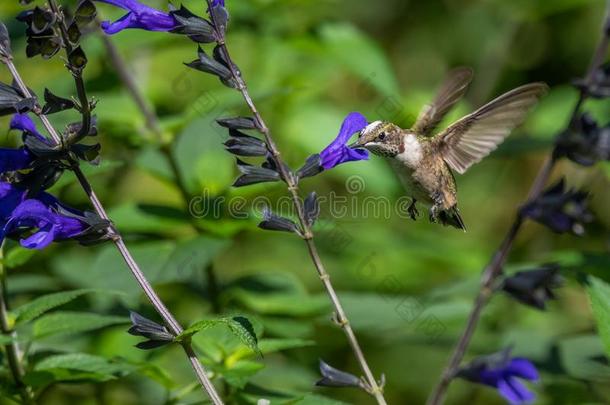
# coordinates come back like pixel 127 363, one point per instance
pixel 381 138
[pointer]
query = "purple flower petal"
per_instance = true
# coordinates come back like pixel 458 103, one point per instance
pixel 41 239
pixel 119 25
pixel 14 159
pixel 523 368
pixel 514 391
pixel 40 215
pixel 337 152
pixel 23 123
pixel 140 16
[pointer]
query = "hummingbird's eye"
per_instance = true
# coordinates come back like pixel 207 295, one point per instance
pixel 381 136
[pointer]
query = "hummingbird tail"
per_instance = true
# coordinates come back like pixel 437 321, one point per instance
pixel 452 217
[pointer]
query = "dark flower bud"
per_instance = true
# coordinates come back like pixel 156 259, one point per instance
pixel 254 174
pixel 193 26
pixel 311 208
pixel 77 59
pixel 55 103
pixel 84 14
pixel 331 377
pixel 74 33
pixel 219 15
pixel 598 84
pixel 237 123
pixel 272 222
pixel 533 287
pixel 209 65
pixel 41 38
pixel 584 142
pixel 12 100
pixel 271 164
pixel 559 209
pixel 158 335
pixel 88 153
pixel 311 167
pixel 244 145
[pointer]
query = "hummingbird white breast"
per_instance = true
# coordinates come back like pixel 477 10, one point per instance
pixel 413 154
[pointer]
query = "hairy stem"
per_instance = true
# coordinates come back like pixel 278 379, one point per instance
pixel 493 270
pixel 292 183
pixel 13 355
pixel 150 293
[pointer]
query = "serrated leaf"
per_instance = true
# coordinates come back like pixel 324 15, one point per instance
pixel 599 294
pixel 240 326
pixel 40 305
pixel 76 367
pixel 83 362
pixel 60 323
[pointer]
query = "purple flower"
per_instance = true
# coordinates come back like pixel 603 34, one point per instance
pixel 23 123
pixel 139 16
pixel 218 3
pixel 502 372
pixel 41 220
pixel 14 159
pixel 560 209
pixel 338 152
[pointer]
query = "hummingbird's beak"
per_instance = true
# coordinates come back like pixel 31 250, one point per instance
pixel 356 144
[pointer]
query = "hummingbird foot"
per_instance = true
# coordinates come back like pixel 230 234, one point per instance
pixel 412 210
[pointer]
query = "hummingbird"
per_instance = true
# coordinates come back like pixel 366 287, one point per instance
pixel 424 160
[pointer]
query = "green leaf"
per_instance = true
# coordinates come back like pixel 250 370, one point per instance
pixel 599 294
pixel 83 362
pixel 17 256
pixel 276 345
pixel 364 57
pixel 203 163
pixel 148 218
pixel 240 327
pixel 238 374
pixel 76 367
pixel 40 305
pixel 73 322
pixel 579 356
pixel 276 294
pixel 190 258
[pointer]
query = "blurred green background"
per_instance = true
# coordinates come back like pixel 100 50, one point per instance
pixel 407 286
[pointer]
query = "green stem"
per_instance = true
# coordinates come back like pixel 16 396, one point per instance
pixel 12 349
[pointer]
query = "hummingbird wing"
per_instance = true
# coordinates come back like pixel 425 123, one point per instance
pixel 475 136
pixel 451 91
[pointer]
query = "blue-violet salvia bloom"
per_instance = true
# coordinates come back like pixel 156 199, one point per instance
pixel 23 123
pixel 14 159
pixel 338 152
pixel 503 372
pixel 19 215
pixel 139 16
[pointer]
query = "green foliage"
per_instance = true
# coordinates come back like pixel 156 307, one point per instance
pixel 62 323
pixel 238 325
pixel 407 286
pixel 76 367
pixel 45 303
pixel 599 294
